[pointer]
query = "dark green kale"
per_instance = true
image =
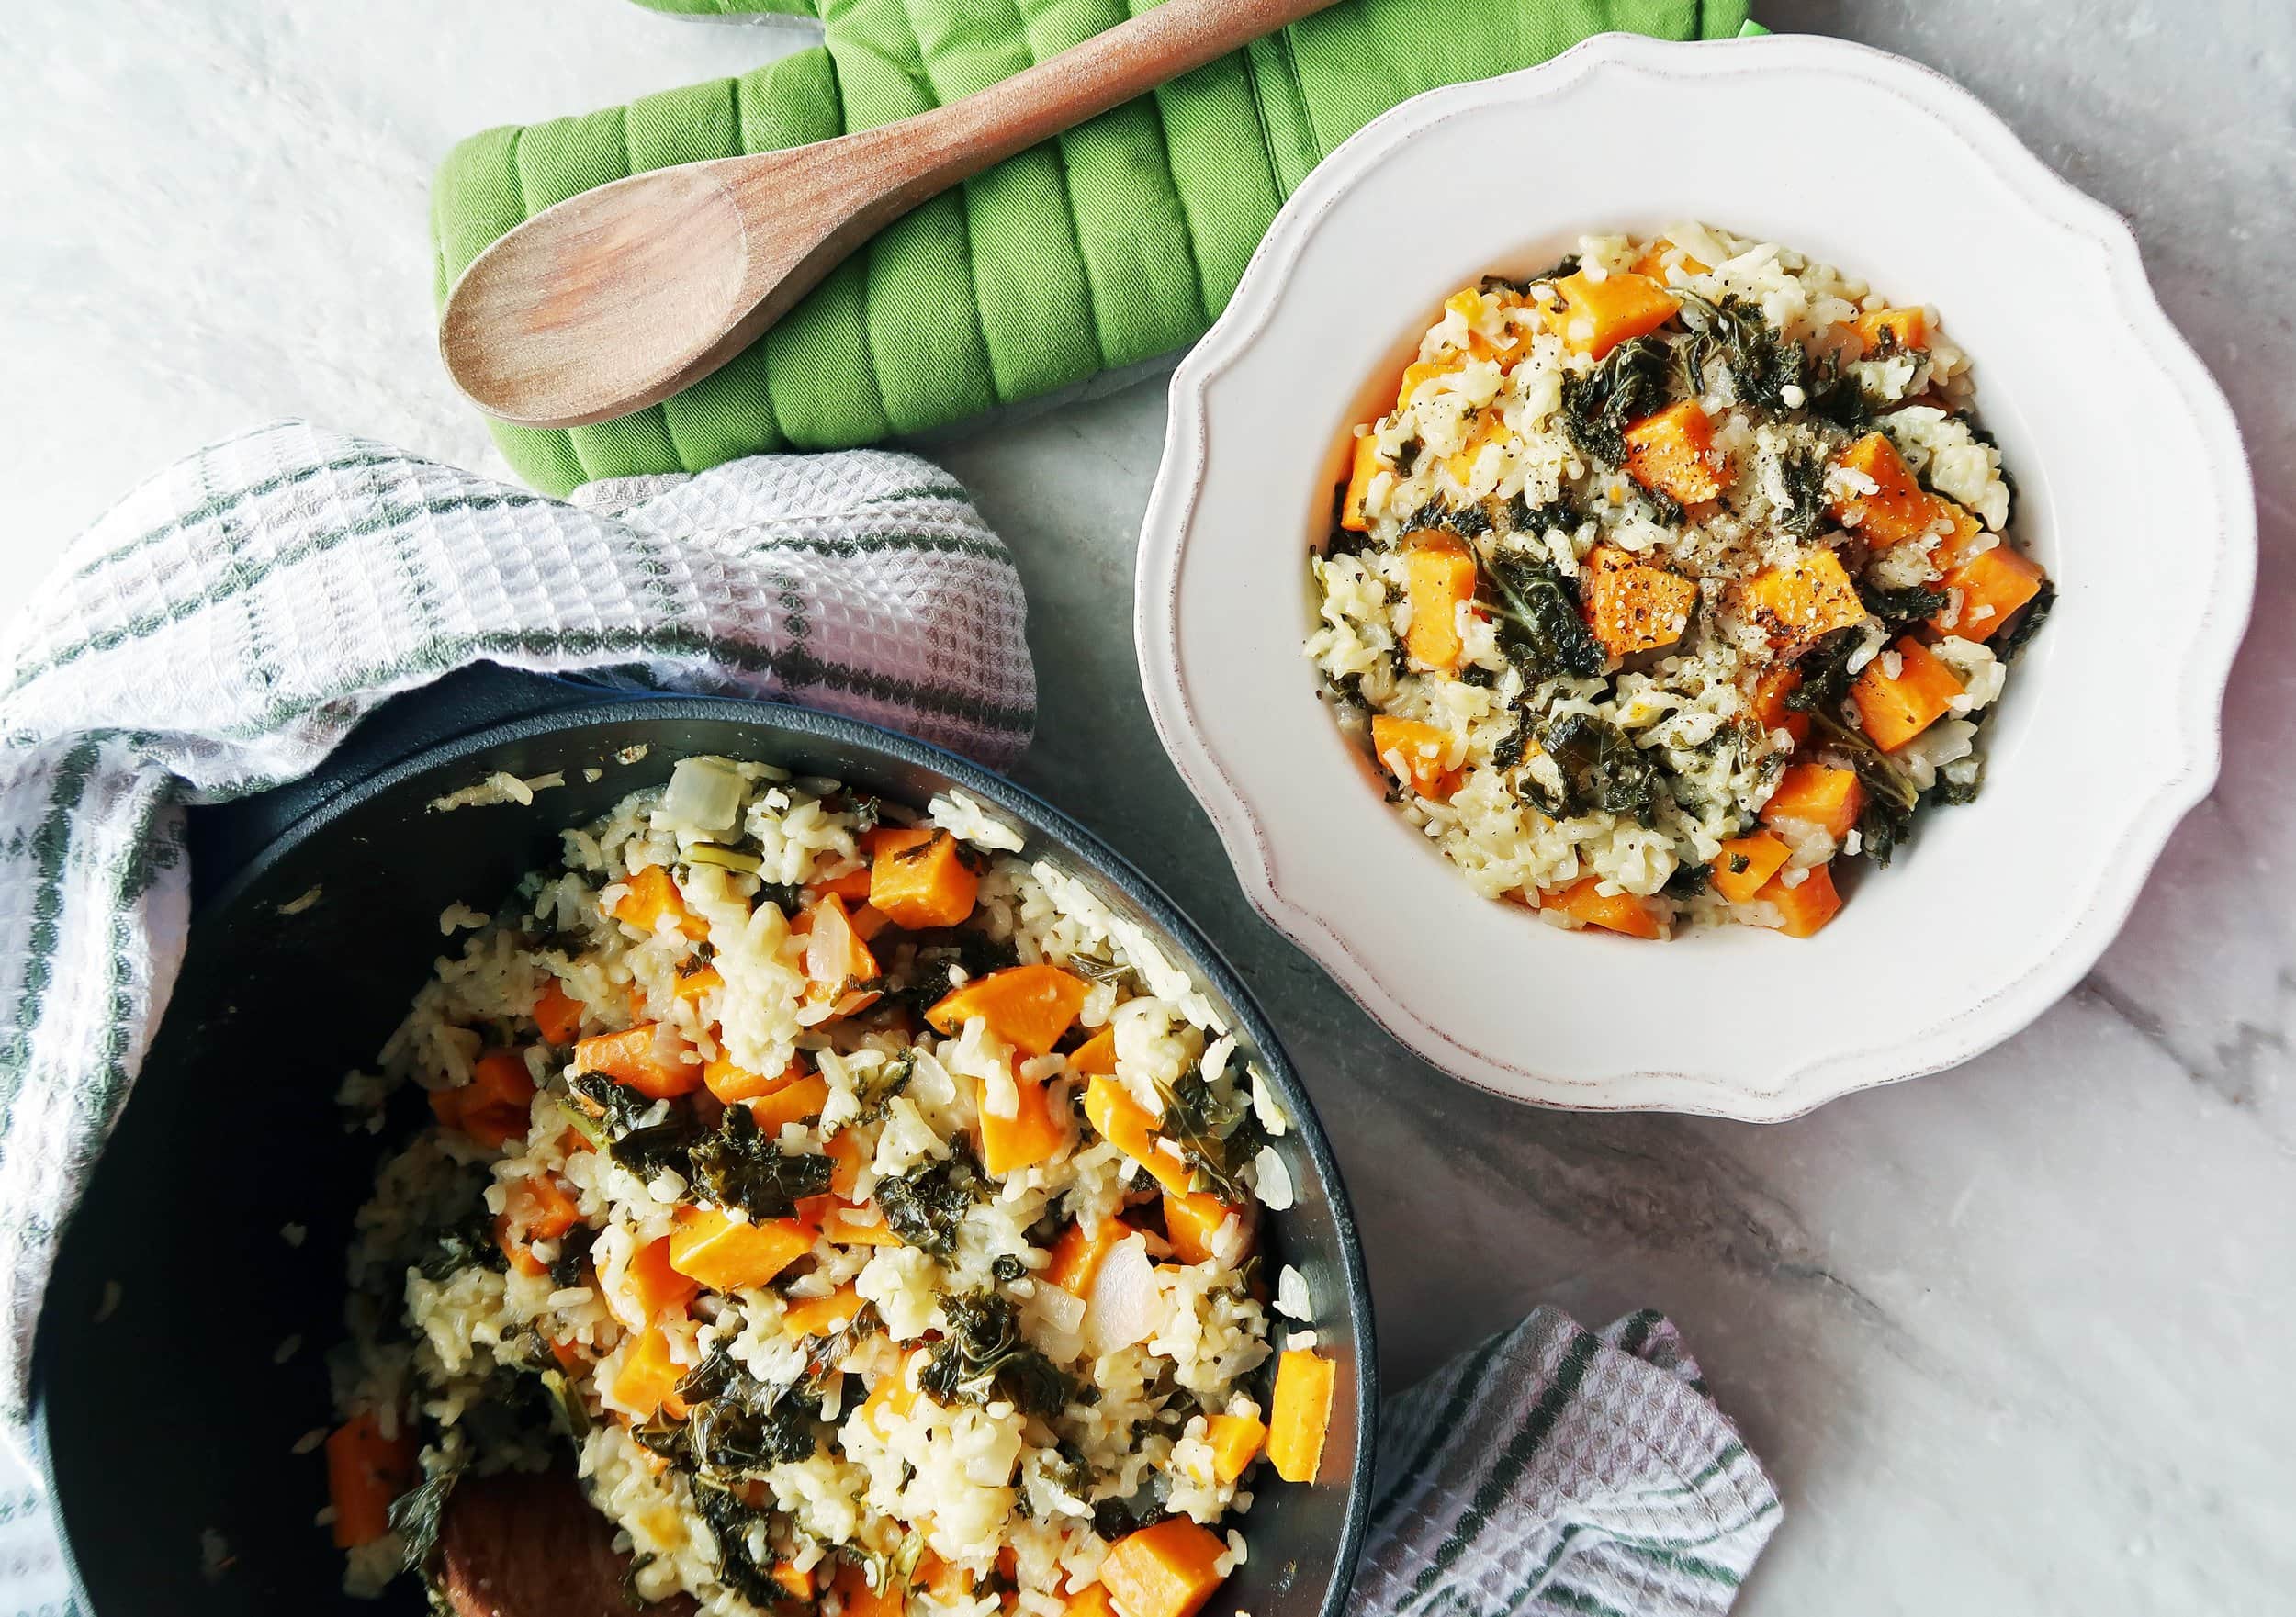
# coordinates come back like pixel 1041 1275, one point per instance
pixel 1007 1268
pixel 1805 476
pixel 740 1165
pixel 1602 769
pixel 1597 407
pixel 1407 455
pixel 618 1104
pixel 785 897
pixel 416 1516
pixel 984 1356
pixel 1218 1134
pixel 666 1146
pixel 827 1353
pixel 1760 361
pixel 1830 395
pixel 729 1523
pixel 1517 745
pixel 1534 610
pixel 1900 608
pixel 459 1245
pixel 573 1256
pixel 1522 517
pixel 1688 882
pixel 2021 628
pixel 925 1206
pixel 1825 669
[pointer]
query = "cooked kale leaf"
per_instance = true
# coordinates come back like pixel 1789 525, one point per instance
pixel 416 1516
pixel 1897 608
pixel 1825 670
pixel 618 1104
pixel 1218 1134
pixel 729 1523
pixel 740 1165
pixel 1535 608
pixel 1598 406
pixel 1760 361
pixel 1602 769
pixel 1805 476
pixel 925 1206
pixel 984 1356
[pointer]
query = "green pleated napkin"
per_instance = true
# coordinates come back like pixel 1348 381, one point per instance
pixel 1117 241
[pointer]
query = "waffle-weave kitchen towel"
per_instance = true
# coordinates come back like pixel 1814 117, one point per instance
pixel 1102 249
pixel 225 625
pixel 1550 1472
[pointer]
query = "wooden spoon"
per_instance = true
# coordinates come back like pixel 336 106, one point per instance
pixel 616 298
pixel 524 1544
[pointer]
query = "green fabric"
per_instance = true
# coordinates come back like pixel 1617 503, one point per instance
pixel 1117 241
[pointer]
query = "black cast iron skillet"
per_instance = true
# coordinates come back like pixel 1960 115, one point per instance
pixel 171 1417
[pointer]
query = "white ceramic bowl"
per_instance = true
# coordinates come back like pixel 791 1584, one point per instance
pixel 2134 494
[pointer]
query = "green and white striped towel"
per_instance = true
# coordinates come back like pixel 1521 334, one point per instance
pixel 225 625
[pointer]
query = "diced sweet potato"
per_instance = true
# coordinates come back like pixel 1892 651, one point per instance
pixel 919 878
pixel 1092 1600
pixel 1631 606
pixel 1441 573
pixel 1418 374
pixel 695 980
pixel 1768 704
pixel 1800 605
pixel 1119 1120
pixel 1191 1219
pixel 651 898
pixel 796 1585
pixel 1166 1570
pixel 1414 753
pixel 648 1378
pixel 1745 865
pixel 1236 1441
pixel 1817 794
pixel 558 1012
pixel 650 1058
pixel 1030 1136
pixel 732 1084
pixel 650 1287
pixel 1027 1006
pixel 794 1102
pixel 499 1079
pixel 1077 1257
pixel 845 1149
pixel 534 1208
pixel 892 1395
pixel 822 1316
pixel 723 1255
pixel 1597 316
pixel 1673 452
pixel 366 1471
pixel 1096 1054
pixel 1995 586
pixel 1300 1414
pixel 1899 509
pixel 1617 912
pixel 1902 328
pixel 1895 708
pixel 1806 905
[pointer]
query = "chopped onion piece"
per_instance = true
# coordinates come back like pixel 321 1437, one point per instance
pixel 1274 1181
pixel 1291 1296
pixel 705 794
pixel 1125 1303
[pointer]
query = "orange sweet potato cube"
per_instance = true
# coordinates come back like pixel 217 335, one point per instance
pixel 1597 316
pixel 1806 906
pixel 1817 794
pixel 1800 605
pixel 1893 708
pixel 1441 573
pixel 1631 606
pixel 1414 753
pixel 1673 452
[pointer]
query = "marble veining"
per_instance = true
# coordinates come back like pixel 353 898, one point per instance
pixel 2012 1338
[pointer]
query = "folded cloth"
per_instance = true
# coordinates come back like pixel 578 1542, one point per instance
pixel 1110 246
pixel 1548 1471
pixel 1553 1470
pixel 225 625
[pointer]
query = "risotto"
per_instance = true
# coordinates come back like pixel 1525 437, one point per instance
pixel 866 1216
pixel 1676 577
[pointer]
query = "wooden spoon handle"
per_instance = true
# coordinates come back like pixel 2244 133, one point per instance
pixel 935 150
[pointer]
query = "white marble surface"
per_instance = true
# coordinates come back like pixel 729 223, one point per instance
pixel 2012 1338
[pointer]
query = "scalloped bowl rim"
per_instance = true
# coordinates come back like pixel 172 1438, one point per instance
pixel 1237 795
